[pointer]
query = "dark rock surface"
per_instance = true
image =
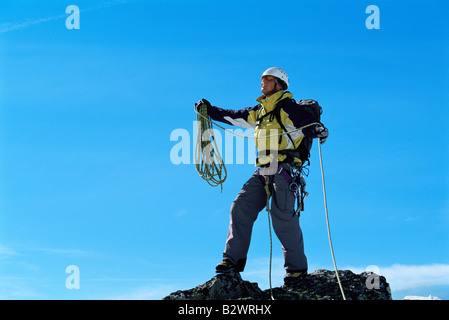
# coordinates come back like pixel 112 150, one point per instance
pixel 319 285
pixel 220 287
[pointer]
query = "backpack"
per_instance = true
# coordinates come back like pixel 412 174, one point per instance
pixel 304 147
pixel 303 150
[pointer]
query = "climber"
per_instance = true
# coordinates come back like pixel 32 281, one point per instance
pixel 273 154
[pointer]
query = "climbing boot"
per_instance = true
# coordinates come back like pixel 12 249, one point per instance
pixel 225 266
pixel 294 277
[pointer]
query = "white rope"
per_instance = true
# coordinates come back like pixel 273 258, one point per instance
pixel 327 222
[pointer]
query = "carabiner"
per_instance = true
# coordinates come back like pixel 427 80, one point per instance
pixel 293 186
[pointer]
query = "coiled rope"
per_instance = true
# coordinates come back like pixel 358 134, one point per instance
pixel 211 168
pixel 208 160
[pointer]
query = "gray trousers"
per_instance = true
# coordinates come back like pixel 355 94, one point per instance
pixel 244 211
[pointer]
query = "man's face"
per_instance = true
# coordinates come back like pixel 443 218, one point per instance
pixel 267 85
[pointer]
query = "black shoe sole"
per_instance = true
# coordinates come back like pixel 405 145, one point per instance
pixel 225 271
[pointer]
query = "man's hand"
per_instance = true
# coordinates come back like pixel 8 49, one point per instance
pixel 199 103
pixel 322 133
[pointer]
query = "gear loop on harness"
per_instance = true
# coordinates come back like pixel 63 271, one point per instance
pixel 298 186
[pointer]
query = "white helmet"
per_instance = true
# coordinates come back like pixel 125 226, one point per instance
pixel 278 73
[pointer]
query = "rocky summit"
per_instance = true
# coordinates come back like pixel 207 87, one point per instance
pixel 319 285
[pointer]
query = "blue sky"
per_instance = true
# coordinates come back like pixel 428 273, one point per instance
pixel 86 117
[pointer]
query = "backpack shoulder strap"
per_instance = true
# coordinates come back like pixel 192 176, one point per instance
pixel 259 117
pixel 277 111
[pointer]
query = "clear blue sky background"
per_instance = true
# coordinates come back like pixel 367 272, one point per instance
pixel 86 117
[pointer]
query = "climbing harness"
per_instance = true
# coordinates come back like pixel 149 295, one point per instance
pixel 296 183
pixel 210 167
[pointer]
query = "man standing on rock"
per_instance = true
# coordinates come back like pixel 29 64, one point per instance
pixel 276 120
